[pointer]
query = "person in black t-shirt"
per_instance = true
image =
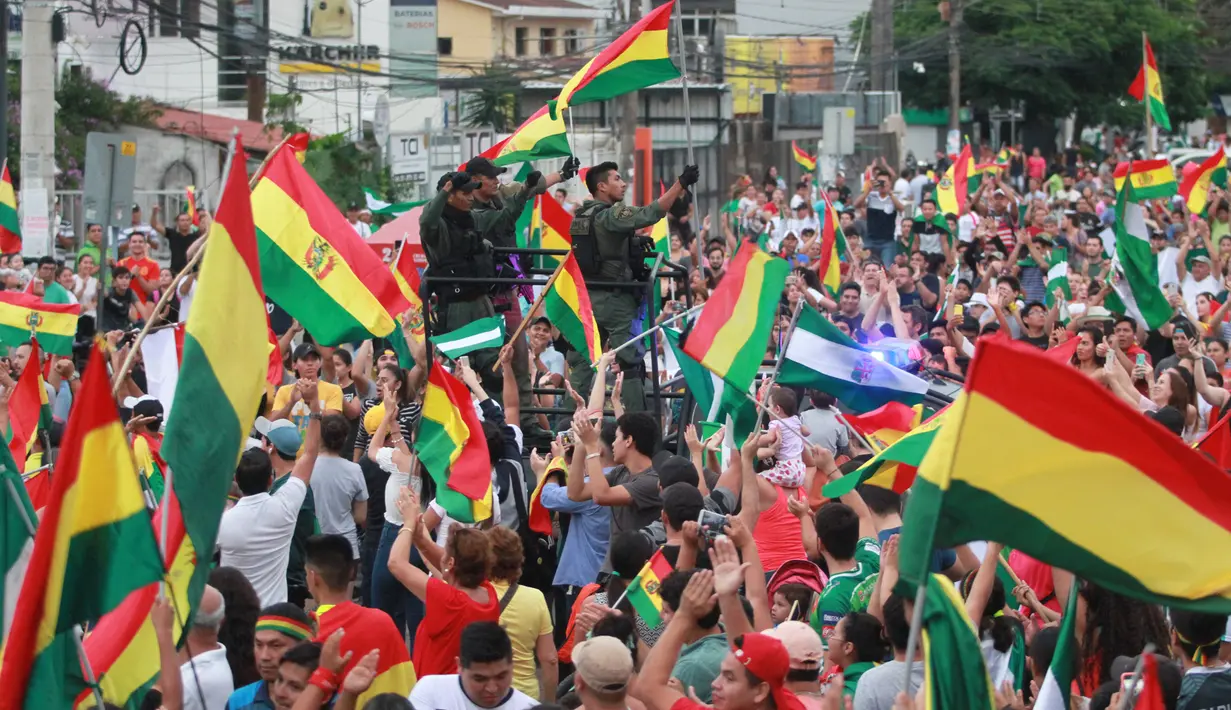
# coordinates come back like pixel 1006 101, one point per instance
pixel 1034 325
pixel 120 303
pixel 848 310
pixel 178 239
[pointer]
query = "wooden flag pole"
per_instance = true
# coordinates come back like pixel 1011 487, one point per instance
pixel 525 322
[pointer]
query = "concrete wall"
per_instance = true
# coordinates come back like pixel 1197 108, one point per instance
pixel 473 32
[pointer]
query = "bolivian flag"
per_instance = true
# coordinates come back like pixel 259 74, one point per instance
pixel 540 517
pixel 895 467
pixel 887 423
pixel 953 190
pixel 954 673
pixel 567 305
pixel 1148 87
pixel 10 225
pixel 1151 178
pixel 406 274
pixel 636 59
pixel 1068 483
pixel 313 263
pixel 540 136
pixel 974 175
pixel 643 590
pixel 550 228
pixel 54 324
pixel 190 200
pixel 802 158
pixel 453 449
pixel 365 630
pixel 1196 186
pixel 833 246
pixel 95 544
pixel 732 333
pixel 29 408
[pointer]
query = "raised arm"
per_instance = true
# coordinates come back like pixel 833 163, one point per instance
pixel 652 688
pixel 411 577
pixel 312 438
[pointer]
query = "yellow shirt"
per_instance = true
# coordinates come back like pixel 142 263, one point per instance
pixel 329 394
pixel 526 618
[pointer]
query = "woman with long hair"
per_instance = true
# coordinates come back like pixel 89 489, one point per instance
pixel 463 594
pixel 1110 625
pixel 238 630
pixel 1087 358
pixel 525 617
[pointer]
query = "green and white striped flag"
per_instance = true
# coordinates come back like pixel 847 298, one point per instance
pixel 1054 692
pixel 379 206
pixel 16 542
pixel 717 401
pixel 1134 268
pixel 1058 276
pixel 483 333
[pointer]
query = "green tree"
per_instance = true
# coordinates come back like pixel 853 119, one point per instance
pixel 1058 56
pixel 492 101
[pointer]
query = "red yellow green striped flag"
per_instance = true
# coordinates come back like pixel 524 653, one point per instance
pixel 802 158
pixel 1065 481
pixel 732 333
pixel 223 364
pixel 887 423
pixel 567 305
pixel 190 202
pixel 974 175
pixel 1148 87
pixel 1196 185
pixel 453 449
pixel 10 225
pixel 636 59
pixel 540 136
pixel 29 408
pixel 643 593
pixel 95 544
pixel 833 246
pixel 550 228
pixel 954 188
pixel 1151 178
pixel 406 274
pixel 54 324
pixel 313 263
pixel 895 467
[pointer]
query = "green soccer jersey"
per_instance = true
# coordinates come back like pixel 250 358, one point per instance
pixel 835 600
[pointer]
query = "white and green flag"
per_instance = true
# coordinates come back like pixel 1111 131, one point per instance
pixel 1054 692
pixel 820 357
pixel 393 209
pixel 1058 276
pixel 480 334
pixel 16 542
pixel 1134 268
pixel 716 400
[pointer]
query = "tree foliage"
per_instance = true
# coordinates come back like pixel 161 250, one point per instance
pixel 492 102
pixel 1058 56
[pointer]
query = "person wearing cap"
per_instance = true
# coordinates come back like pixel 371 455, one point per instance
pixel 752 674
pixel 1184 341
pixel 255 535
pixel 1197 278
pixel 145 426
pixel 1002 208
pixel 306 362
pixel 807 654
pixel 485 677
pixel 363 229
pixel 603 235
pixel 604 669
pixel 278 628
pixel 137 225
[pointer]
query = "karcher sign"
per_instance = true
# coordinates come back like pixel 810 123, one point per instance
pixel 318 59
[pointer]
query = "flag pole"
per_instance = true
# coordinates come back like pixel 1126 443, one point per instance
pixel 521 327
pixel 679 36
pixel 91 679
pixel 657 328
pixel 1145 96
pixel 858 434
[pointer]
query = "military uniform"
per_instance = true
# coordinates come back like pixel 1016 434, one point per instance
pixel 457 245
pixel 615 309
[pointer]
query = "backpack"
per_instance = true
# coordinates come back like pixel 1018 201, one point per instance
pixel 585 241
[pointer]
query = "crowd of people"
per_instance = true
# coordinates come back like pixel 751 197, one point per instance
pixel 342 581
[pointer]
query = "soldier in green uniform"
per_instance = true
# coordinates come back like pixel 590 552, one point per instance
pixel 499 226
pixel 457 246
pixel 607 250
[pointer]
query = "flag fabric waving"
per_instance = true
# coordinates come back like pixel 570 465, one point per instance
pixel 895 467
pixel 314 264
pixel 833 246
pixel 94 545
pixel 643 591
pixel 367 629
pixel 453 449
pixel 802 158
pixel 567 306
pixel 1216 443
pixel 406 274
pixel 222 378
pixel 954 674
pixel 1151 178
pixel 475 335
pixel 190 204
pixel 887 423
pixel 636 59
pixel 54 324
pixel 1057 276
pixel 540 136
pixel 10 225
pixel 29 409
pixel 952 192
pixel 1195 187
pixel 378 206
pixel 1148 87
pixel 820 357
pixel 1134 268
pixel 1055 689
pixel 716 400
pixel 731 335
pixel 550 228
pixel 1122 455
pixel 17 519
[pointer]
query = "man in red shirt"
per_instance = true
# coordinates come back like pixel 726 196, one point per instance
pixel 144 269
pixel 1129 352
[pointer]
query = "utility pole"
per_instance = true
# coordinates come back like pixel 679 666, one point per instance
pixel 882 45
pixel 4 76
pixel 359 71
pixel 38 104
pixel 955 64
pixel 628 112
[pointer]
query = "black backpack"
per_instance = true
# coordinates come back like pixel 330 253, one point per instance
pixel 585 241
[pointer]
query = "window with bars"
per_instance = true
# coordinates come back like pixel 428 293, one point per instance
pixel 175 18
pixel 547 41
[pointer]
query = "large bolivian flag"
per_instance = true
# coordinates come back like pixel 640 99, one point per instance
pixel 315 265
pixel 222 372
pixel 540 136
pixel 636 59
pixel 567 305
pixel 1073 477
pixel 94 545
pixel 54 324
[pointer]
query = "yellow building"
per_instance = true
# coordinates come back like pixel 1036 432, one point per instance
pixel 471 33
pixel 753 66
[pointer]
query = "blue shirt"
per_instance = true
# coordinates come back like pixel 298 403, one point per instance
pixel 589 533
pixel 254 696
pixel 942 559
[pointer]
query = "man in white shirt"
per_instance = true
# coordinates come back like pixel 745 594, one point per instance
pixel 361 228
pixel 485 659
pixel 901 186
pixel 205 675
pixel 255 535
pixel 1198 279
pixel 803 218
